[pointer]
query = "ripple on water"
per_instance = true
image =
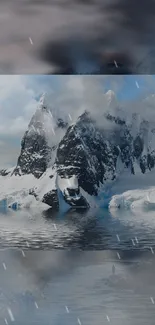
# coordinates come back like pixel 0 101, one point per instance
pixel 89 230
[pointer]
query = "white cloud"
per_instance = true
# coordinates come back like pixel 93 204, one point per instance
pixel 16 128
pixel 17 105
pixel 8 153
pixel 81 93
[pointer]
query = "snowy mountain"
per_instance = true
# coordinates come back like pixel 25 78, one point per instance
pixel 86 153
pixel 39 142
pixel 78 165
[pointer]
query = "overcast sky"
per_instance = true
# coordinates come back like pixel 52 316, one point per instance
pixel 19 97
pixel 37 36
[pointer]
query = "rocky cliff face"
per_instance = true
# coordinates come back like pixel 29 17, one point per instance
pixel 86 153
pixel 39 142
pixel 93 155
pixel 35 155
pixel 36 151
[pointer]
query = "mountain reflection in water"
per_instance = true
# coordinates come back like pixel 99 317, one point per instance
pixel 93 229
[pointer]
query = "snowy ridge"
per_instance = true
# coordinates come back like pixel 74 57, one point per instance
pixel 84 164
pixel 43 122
pixel 16 189
pixel 46 182
pixel 135 200
pixel 112 103
pixel 134 192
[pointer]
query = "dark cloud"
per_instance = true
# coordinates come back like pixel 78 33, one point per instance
pixel 65 32
pixel 130 30
pixel 135 27
pixel 137 16
pixel 77 57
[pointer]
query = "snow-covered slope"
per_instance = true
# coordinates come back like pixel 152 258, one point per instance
pixel 137 200
pixel 16 189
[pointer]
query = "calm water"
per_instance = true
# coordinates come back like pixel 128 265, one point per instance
pixel 76 288
pixel 95 230
pixel 109 279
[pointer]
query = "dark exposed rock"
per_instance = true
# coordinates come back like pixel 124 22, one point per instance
pixel 4 172
pixel 75 199
pixel 115 119
pixel 80 203
pixel 61 124
pixel 151 160
pixel 51 198
pixel 32 192
pixel 34 157
pixel 138 145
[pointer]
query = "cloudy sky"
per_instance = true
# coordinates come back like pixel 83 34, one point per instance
pixel 43 36
pixel 19 97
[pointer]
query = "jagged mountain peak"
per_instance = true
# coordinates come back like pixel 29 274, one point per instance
pixel 111 97
pixel 38 142
pixel 84 151
pixel 85 116
pixel 49 115
pixel 42 122
pixel 110 93
pixel 113 106
pixel 43 102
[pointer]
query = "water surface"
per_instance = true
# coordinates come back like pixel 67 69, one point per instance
pixel 76 288
pixel 94 229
